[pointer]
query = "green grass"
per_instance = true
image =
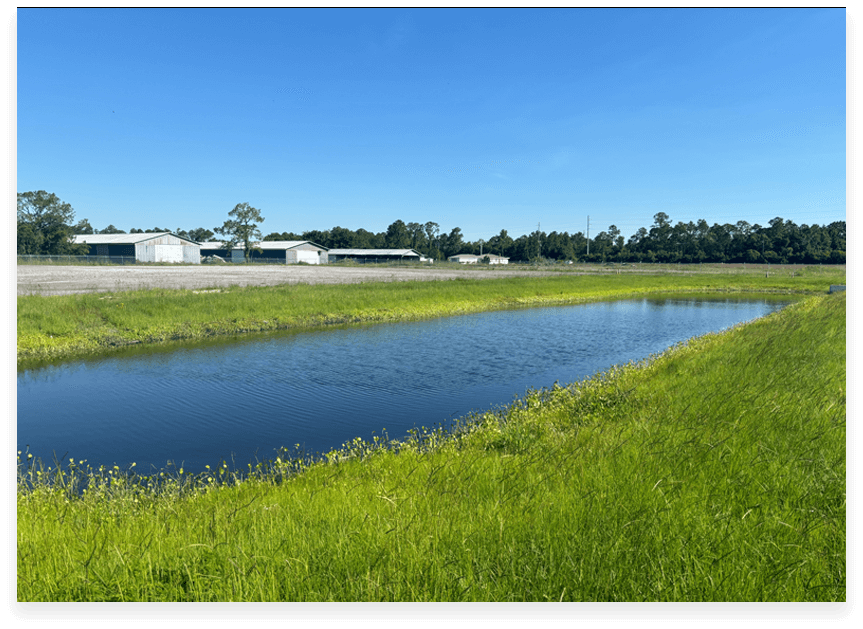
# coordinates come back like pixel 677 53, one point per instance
pixel 712 472
pixel 60 327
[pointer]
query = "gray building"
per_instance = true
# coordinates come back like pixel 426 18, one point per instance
pixel 377 255
pixel 283 251
pixel 153 247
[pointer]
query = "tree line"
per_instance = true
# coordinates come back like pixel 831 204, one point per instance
pixel 779 242
pixel 46 225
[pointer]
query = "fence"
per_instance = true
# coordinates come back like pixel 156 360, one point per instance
pixel 58 259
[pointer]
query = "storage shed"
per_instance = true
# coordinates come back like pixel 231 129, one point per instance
pixel 152 247
pixel 292 251
pixel 282 251
pixel 469 258
pixel 364 256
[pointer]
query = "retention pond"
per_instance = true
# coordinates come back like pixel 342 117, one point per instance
pixel 241 401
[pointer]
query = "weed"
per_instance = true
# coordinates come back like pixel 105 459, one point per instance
pixel 715 471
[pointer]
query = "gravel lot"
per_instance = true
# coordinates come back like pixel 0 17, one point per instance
pixel 64 280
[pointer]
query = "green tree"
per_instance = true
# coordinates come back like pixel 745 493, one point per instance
pixel 398 236
pixel 110 229
pixel 83 227
pixel 660 236
pixel 558 246
pixel 341 238
pixel 501 244
pixel 44 225
pixel 318 237
pixel 616 238
pixel 200 235
pixel 452 244
pixel 432 230
pixel 242 227
pixel 417 233
pixel 364 239
pixel 521 251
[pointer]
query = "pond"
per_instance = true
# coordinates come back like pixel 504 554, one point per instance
pixel 201 404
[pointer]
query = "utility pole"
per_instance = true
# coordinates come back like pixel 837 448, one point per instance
pixel 588 234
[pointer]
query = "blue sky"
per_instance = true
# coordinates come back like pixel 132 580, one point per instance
pixel 483 119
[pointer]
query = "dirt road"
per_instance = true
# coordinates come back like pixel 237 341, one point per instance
pixel 63 280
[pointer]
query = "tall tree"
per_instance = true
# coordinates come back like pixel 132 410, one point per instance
pixel 452 243
pixel 417 232
pixel 242 227
pixel 398 236
pixel 341 238
pixel 44 225
pixel 501 244
pixel 83 227
pixel 614 232
pixel 431 231
pixel 110 229
pixel 200 234
pixel 318 237
pixel 365 239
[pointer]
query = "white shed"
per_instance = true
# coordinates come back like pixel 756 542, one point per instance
pixel 469 258
pixel 152 247
pixel 284 251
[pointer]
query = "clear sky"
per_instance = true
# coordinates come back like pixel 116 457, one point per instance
pixel 484 119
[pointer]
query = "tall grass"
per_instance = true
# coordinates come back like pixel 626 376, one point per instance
pixel 712 472
pixel 66 326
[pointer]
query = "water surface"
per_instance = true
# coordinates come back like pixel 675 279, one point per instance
pixel 200 405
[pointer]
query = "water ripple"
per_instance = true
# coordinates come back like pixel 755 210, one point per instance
pixel 321 389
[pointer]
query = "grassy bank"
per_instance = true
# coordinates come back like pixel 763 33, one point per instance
pixel 59 327
pixel 714 472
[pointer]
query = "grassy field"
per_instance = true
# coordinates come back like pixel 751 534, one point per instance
pixel 713 472
pixel 59 327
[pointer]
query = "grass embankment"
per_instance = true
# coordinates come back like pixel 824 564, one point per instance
pixel 714 472
pixel 59 327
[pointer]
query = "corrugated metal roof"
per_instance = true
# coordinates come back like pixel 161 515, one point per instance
pixel 286 244
pixel 490 256
pixel 373 252
pixel 123 239
pixel 266 244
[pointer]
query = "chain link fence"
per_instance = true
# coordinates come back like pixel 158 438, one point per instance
pixel 60 259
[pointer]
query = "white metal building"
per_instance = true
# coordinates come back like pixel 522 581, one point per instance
pixel 377 255
pixel 469 258
pixel 285 251
pixel 293 251
pixel 152 247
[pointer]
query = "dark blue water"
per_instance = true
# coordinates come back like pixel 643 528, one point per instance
pixel 201 405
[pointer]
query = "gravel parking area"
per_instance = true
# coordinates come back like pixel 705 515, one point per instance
pixel 64 280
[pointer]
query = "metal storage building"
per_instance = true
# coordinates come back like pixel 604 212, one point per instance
pixel 292 251
pixel 152 247
pixel 469 258
pixel 377 255
pixel 286 251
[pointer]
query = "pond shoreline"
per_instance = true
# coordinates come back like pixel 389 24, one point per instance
pixel 714 471
pixel 58 328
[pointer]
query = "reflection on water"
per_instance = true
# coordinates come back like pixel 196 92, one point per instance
pixel 199 405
